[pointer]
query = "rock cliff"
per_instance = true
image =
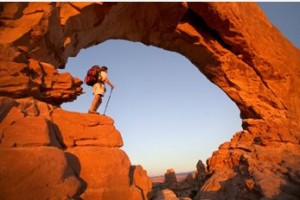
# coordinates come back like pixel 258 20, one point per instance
pixel 232 44
pixel 49 153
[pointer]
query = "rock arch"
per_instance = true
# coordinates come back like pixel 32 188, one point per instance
pixel 247 57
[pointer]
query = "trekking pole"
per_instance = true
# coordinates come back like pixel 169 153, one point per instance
pixel 108 100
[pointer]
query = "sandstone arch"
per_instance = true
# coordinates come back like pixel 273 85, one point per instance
pixel 247 57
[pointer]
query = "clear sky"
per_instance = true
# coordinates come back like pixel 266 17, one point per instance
pixel 168 113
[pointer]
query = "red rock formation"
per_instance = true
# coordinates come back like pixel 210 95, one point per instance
pixel 170 177
pixel 49 153
pixel 140 180
pixel 184 185
pixel 201 173
pixel 246 56
pixel 36 172
pixel 39 80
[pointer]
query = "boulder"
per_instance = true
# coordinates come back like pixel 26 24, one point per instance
pixel 140 180
pixel 36 172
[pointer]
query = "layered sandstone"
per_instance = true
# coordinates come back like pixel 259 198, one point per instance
pixel 48 153
pixel 232 44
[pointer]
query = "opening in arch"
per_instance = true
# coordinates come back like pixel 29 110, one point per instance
pixel 168 113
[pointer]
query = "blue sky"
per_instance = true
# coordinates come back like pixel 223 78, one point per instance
pixel 168 113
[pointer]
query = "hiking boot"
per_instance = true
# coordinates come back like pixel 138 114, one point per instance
pixel 93 112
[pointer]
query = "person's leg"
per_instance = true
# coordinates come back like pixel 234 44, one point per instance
pixel 98 102
pixel 97 99
pixel 100 92
pixel 95 103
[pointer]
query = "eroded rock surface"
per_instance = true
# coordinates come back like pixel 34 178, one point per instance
pixel 49 153
pixel 232 44
pixel 36 173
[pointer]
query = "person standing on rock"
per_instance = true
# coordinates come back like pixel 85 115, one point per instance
pixel 99 89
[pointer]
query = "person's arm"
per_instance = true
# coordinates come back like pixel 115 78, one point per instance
pixel 106 80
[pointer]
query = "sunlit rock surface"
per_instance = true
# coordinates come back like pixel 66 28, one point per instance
pixel 232 44
pixel 49 153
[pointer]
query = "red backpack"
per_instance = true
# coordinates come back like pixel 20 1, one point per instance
pixel 92 75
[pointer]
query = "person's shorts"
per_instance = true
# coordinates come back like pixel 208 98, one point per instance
pixel 99 88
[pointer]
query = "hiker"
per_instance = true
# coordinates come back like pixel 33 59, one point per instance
pixel 99 89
